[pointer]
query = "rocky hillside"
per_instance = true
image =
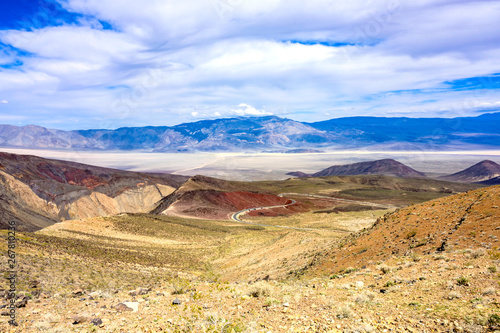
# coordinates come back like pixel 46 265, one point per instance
pixel 210 204
pixel 52 179
pixel 211 198
pixel 139 200
pixel 481 172
pixel 461 221
pixel 386 167
pixel 78 190
pixel 20 204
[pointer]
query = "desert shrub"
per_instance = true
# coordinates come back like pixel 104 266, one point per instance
pixel 384 269
pixel 259 291
pixel 463 281
pixel 414 304
pixel 196 295
pixel 365 297
pixel 410 234
pixel 494 319
pixel 349 270
pixel 415 257
pixel 344 312
pixel 477 253
pixel 233 327
pixel 492 269
pixel 180 286
pixel 270 301
pixel 389 283
pixel 494 254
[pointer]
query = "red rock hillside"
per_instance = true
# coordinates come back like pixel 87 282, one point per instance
pixel 211 204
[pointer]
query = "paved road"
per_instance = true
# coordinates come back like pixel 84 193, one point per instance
pixel 236 217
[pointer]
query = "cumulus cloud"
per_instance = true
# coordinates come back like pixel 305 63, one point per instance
pixel 306 60
pixel 248 110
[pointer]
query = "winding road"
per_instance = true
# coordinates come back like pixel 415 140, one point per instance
pixel 236 216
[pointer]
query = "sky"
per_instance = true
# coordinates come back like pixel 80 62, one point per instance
pixel 80 64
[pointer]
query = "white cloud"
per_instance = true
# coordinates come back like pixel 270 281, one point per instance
pixel 487 104
pixel 180 56
pixel 74 43
pixel 3 101
pixel 248 110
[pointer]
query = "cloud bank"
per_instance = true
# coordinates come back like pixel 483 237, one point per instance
pixel 105 63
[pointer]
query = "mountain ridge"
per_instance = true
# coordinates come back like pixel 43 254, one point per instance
pixel 263 133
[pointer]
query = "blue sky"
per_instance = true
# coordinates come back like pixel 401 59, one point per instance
pixel 77 64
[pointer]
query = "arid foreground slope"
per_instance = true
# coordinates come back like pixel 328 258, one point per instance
pixel 463 221
pixel 395 276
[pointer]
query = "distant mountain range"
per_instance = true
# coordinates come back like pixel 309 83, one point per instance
pixel 268 133
pixel 485 172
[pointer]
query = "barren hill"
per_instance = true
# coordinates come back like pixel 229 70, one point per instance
pixel 18 203
pixel 77 190
pixel 211 198
pixel 480 172
pixel 465 220
pixel 43 174
pixel 386 167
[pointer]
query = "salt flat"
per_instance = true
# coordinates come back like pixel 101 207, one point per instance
pixel 264 166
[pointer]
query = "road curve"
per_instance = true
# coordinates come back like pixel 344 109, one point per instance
pixel 236 217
